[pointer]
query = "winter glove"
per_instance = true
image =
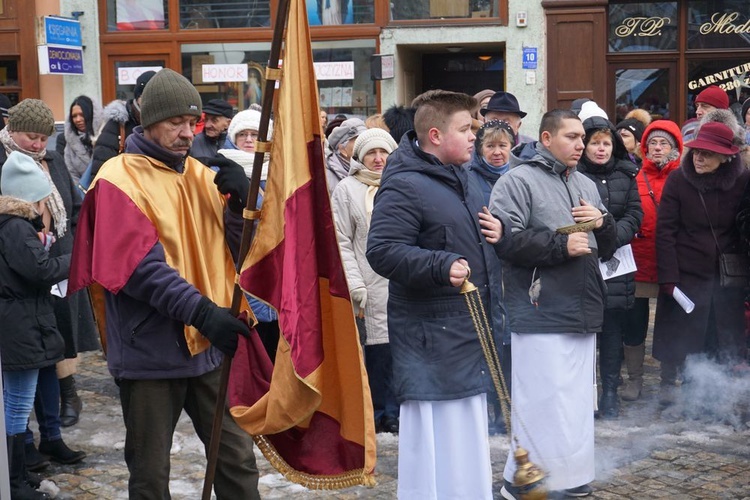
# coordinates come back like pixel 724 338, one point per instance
pixel 232 180
pixel 219 326
pixel 667 288
pixel 359 297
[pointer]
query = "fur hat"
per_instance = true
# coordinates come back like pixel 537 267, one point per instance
pixel 246 120
pixel 663 134
pixel 31 115
pixel 641 115
pixel 399 120
pixel 589 109
pixel 141 81
pixel 716 137
pixel 635 127
pixel 349 129
pixel 168 94
pixel 373 138
pixel 713 96
pixel 23 179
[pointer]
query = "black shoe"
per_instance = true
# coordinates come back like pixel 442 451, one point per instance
pixel 609 405
pixel 390 424
pixel 59 452
pixel 509 491
pixel 34 460
pixel 580 491
pixel 70 403
pixel 33 479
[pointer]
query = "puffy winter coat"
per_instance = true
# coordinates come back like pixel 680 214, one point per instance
pixel 426 217
pixel 29 337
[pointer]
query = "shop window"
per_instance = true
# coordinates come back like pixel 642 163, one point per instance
pixel 332 12
pixel 409 10
pixel 718 24
pixel 197 14
pixel 127 73
pixel 642 26
pixel 9 84
pixel 644 88
pixel 130 15
pixel 732 75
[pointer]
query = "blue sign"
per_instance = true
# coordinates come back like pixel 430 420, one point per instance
pixel 61 31
pixel 60 60
pixel 529 58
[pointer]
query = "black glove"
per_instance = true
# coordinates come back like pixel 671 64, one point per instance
pixel 232 180
pixel 219 326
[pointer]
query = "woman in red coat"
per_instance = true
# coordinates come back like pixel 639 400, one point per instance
pixel 696 225
pixel 661 148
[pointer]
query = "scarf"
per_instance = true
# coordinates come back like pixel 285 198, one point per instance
pixel 55 203
pixel 246 160
pixel 138 144
pixel 672 156
pixel 372 180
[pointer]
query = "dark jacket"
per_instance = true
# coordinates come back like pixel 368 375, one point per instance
pixel 205 147
pixel 29 337
pixel 145 320
pixel 108 142
pixel 424 219
pixel 686 255
pixel 75 319
pixel 618 191
pixel 537 195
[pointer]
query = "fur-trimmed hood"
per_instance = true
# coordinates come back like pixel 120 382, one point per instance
pixel 116 110
pixel 17 207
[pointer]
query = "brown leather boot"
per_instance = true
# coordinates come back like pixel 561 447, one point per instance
pixel 634 362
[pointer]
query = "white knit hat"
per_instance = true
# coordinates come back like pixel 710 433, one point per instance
pixel 22 178
pixel 590 109
pixel 246 120
pixel 373 138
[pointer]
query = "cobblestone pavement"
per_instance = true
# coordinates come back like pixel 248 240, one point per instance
pixel 698 449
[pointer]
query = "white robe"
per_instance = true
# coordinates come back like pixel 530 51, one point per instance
pixel 444 450
pixel 553 397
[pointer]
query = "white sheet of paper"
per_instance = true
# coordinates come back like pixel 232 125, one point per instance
pixel 60 289
pixel 622 262
pixel 683 300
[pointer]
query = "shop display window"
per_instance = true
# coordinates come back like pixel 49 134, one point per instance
pixel 211 14
pixel 718 24
pixel 732 75
pixel 127 73
pixel 644 88
pixel 635 27
pixel 334 12
pixel 131 15
pixel 410 10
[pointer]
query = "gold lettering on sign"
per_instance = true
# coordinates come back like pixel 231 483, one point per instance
pixel 641 26
pixel 723 23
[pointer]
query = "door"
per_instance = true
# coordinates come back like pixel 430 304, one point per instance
pixel 121 72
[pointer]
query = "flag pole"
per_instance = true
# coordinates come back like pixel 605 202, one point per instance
pixel 250 215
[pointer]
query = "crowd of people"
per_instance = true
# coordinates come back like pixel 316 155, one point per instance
pixel 570 238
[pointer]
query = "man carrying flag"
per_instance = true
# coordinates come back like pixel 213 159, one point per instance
pixel 152 234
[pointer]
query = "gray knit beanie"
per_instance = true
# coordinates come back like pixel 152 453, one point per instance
pixel 664 135
pixel 22 178
pixel 168 94
pixel 31 115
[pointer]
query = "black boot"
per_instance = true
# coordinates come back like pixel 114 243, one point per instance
pixel 610 350
pixel 70 403
pixel 34 460
pixel 19 488
pixel 59 452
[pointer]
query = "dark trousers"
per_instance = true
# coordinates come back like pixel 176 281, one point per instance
pixel 47 406
pixel 636 323
pixel 379 364
pixel 151 409
pixel 610 347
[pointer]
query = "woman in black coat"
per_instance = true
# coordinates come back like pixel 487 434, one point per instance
pixel 604 161
pixel 695 225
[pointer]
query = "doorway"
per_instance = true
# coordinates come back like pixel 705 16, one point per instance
pixel 467 72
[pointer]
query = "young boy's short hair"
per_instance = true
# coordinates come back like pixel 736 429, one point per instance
pixel 435 107
pixel 552 120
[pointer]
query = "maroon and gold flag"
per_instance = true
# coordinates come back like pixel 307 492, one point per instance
pixel 312 414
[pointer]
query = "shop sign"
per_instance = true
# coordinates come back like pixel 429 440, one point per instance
pixel 129 76
pixel 641 26
pixel 55 60
pixel 728 79
pixel 723 23
pixel 382 67
pixel 61 31
pixel 215 73
pixel 338 70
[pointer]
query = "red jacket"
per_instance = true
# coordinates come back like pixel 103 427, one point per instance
pixel 644 243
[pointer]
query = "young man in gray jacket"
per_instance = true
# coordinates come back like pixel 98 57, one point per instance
pixel 555 300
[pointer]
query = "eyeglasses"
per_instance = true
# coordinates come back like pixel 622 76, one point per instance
pixel 241 136
pixel 661 144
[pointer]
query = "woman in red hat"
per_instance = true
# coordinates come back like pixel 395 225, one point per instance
pixel 696 224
